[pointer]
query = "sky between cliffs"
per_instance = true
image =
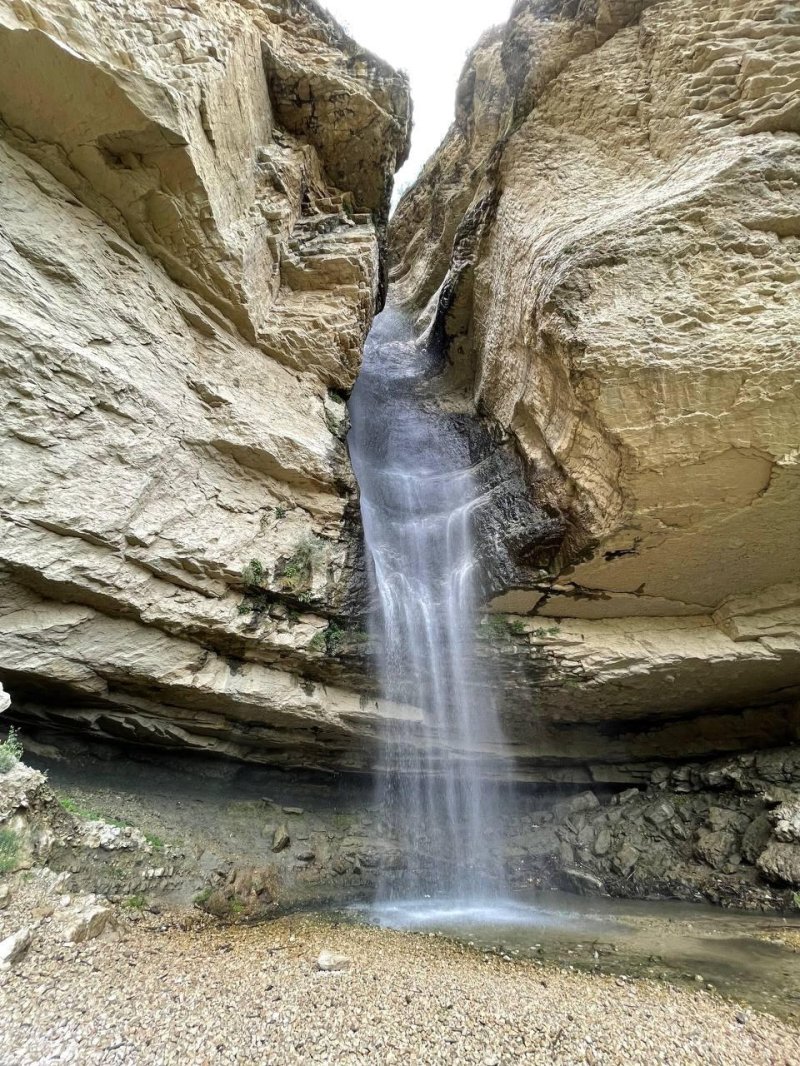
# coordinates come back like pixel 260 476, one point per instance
pixel 429 39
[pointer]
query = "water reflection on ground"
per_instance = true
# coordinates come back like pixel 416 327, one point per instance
pixel 747 957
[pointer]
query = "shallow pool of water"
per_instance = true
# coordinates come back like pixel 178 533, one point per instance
pixel 750 958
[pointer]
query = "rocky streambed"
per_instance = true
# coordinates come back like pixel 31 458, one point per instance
pixel 156 912
pixel 301 989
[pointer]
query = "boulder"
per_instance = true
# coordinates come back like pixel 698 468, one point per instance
pixel 580 881
pixel 87 920
pixel 779 862
pixel 14 947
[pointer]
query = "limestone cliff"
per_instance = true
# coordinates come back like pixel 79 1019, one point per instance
pixel 194 202
pixel 606 249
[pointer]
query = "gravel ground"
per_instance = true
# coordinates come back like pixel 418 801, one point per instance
pixel 156 993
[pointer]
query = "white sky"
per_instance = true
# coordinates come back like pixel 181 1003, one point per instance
pixel 429 39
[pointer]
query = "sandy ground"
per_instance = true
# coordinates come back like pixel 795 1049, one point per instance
pixel 155 993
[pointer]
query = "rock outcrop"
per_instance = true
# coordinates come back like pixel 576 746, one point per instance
pixel 606 250
pixel 194 204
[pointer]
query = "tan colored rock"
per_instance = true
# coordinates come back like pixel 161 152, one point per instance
pixel 606 248
pixel 14 947
pixel 194 199
pixel 86 920
pixel 330 961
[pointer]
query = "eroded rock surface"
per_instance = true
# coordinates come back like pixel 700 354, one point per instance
pixel 194 200
pixel 606 249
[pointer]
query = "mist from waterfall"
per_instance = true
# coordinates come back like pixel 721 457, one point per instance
pixel 418 498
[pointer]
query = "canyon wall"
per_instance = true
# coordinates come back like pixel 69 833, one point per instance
pixel 194 206
pixel 605 249
pixel 605 252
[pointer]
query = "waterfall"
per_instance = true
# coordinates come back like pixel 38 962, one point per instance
pixel 418 498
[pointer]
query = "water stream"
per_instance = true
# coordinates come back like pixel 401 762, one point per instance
pixel 418 498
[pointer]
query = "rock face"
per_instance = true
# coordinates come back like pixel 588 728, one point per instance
pixel 725 831
pixel 606 249
pixel 194 202
pixel 605 252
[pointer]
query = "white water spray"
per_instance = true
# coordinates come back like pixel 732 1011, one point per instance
pixel 418 497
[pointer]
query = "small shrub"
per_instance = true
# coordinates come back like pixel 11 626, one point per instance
pixel 298 570
pixel 317 642
pixel 330 639
pixel 10 751
pixel 550 631
pixel 154 841
pixel 280 512
pixel 9 848
pixel 135 903
pixel 253 575
pixel 203 896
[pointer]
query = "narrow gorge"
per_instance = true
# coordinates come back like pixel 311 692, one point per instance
pixel 467 531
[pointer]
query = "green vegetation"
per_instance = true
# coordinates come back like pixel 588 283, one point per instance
pixel 796 900
pixel 135 903
pixel 203 896
pixel 501 628
pixel 329 639
pixel 10 751
pixel 280 512
pixel 333 639
pixel 253 575
pixel 298 570
pixel 9 848
pixel 90 815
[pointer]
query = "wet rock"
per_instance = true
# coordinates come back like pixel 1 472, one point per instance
pixel 581 881
pixel 780 862
pixel 14 947
pixel 626 859
pixel 715 847
pixel 281 838
pixel 786 819
pixel 756 836
pixel 660 815
pixel 585 801
pixel 565 854
pixel 602 842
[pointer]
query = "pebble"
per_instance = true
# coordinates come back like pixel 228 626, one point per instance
pixel 170 994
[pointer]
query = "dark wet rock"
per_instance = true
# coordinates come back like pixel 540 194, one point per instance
pixel 755 837
pixel 780 862
pixel 714 847
pixel 584 883
pixel 602 842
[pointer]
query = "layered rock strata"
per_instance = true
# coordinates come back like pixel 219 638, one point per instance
pixel 605 250
pixel 194 200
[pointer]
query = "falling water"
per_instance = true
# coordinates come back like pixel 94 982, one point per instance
pixel 418 499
